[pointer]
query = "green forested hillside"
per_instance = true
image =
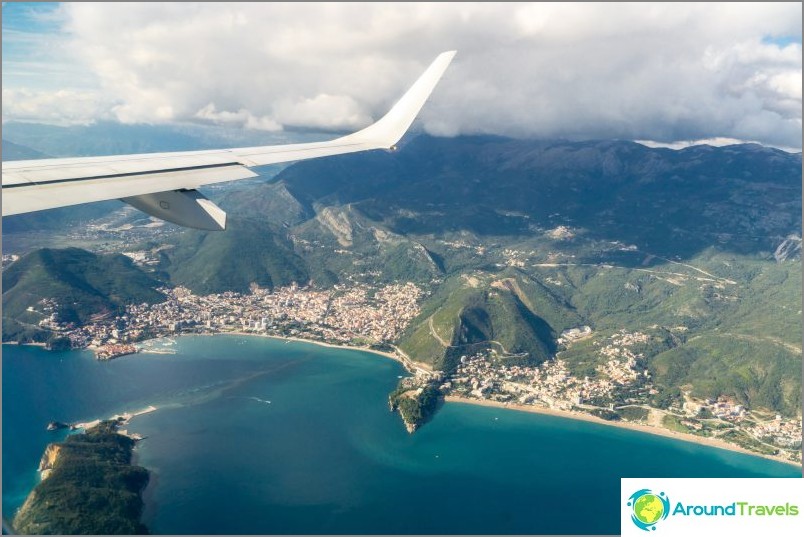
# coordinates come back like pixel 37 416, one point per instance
pixel 507 313
pixel 757 373
pixel 81 283
pixel 249 251
pixel 92 489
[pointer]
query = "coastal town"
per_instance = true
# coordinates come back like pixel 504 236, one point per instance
pixel 619 391
pixel 358 315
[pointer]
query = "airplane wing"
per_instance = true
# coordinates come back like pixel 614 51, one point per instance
pixel 164 184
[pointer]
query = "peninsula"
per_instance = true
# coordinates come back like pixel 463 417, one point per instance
pixel 416 404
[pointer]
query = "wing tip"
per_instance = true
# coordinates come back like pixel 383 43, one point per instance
pixel 389 129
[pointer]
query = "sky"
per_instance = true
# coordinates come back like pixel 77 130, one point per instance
pixel 665 74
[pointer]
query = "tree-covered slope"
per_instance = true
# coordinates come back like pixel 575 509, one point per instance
pixel 249 251
pixel 507 313
pixel 757 373
pixel 674 203
pixel 92 488
pixel 80 283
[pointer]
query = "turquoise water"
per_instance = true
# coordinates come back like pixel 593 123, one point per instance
pixel 260 436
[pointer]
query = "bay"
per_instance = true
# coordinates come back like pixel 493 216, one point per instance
pixel 256 435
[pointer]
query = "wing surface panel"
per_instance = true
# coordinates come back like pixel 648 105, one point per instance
pixel 34 185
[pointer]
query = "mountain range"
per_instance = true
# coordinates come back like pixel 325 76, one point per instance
pixel 519 240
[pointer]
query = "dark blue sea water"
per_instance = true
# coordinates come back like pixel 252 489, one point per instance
pixel 261 436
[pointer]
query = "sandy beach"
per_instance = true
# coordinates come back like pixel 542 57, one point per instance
pixel 410 365
pixel 711 442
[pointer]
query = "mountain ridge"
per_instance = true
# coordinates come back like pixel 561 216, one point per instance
pixel 517 241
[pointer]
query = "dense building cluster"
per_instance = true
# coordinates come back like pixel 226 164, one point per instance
pixel 778 431
pixel 621 382
pixel 550 384
pixel 114 350
pixel 342 314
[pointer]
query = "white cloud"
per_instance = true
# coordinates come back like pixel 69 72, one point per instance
pixel 61 107
pixel 714 142
pixel 241 118
pixel 322 111
pixel 662 72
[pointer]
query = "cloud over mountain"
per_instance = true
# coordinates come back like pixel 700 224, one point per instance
pixel 636 71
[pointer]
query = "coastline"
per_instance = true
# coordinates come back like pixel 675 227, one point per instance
pixel 649 429
pixel 414 367
pixel 410 365
pixel 310 352
pixel 100 453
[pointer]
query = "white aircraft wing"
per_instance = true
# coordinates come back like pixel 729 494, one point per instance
pixel 164 184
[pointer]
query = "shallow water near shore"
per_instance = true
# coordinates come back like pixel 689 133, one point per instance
pixel 255 435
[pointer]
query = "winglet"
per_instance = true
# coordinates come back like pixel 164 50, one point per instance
pixel 148 180
pixel 386 132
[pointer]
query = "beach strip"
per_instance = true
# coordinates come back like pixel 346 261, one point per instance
pixel 411 365
pixel 701 440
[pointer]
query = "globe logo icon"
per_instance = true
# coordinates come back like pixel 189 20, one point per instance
pixel 648 508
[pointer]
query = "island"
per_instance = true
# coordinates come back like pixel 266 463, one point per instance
pixel 89 486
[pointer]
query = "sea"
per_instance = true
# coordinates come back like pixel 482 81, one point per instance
pixel 262 436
